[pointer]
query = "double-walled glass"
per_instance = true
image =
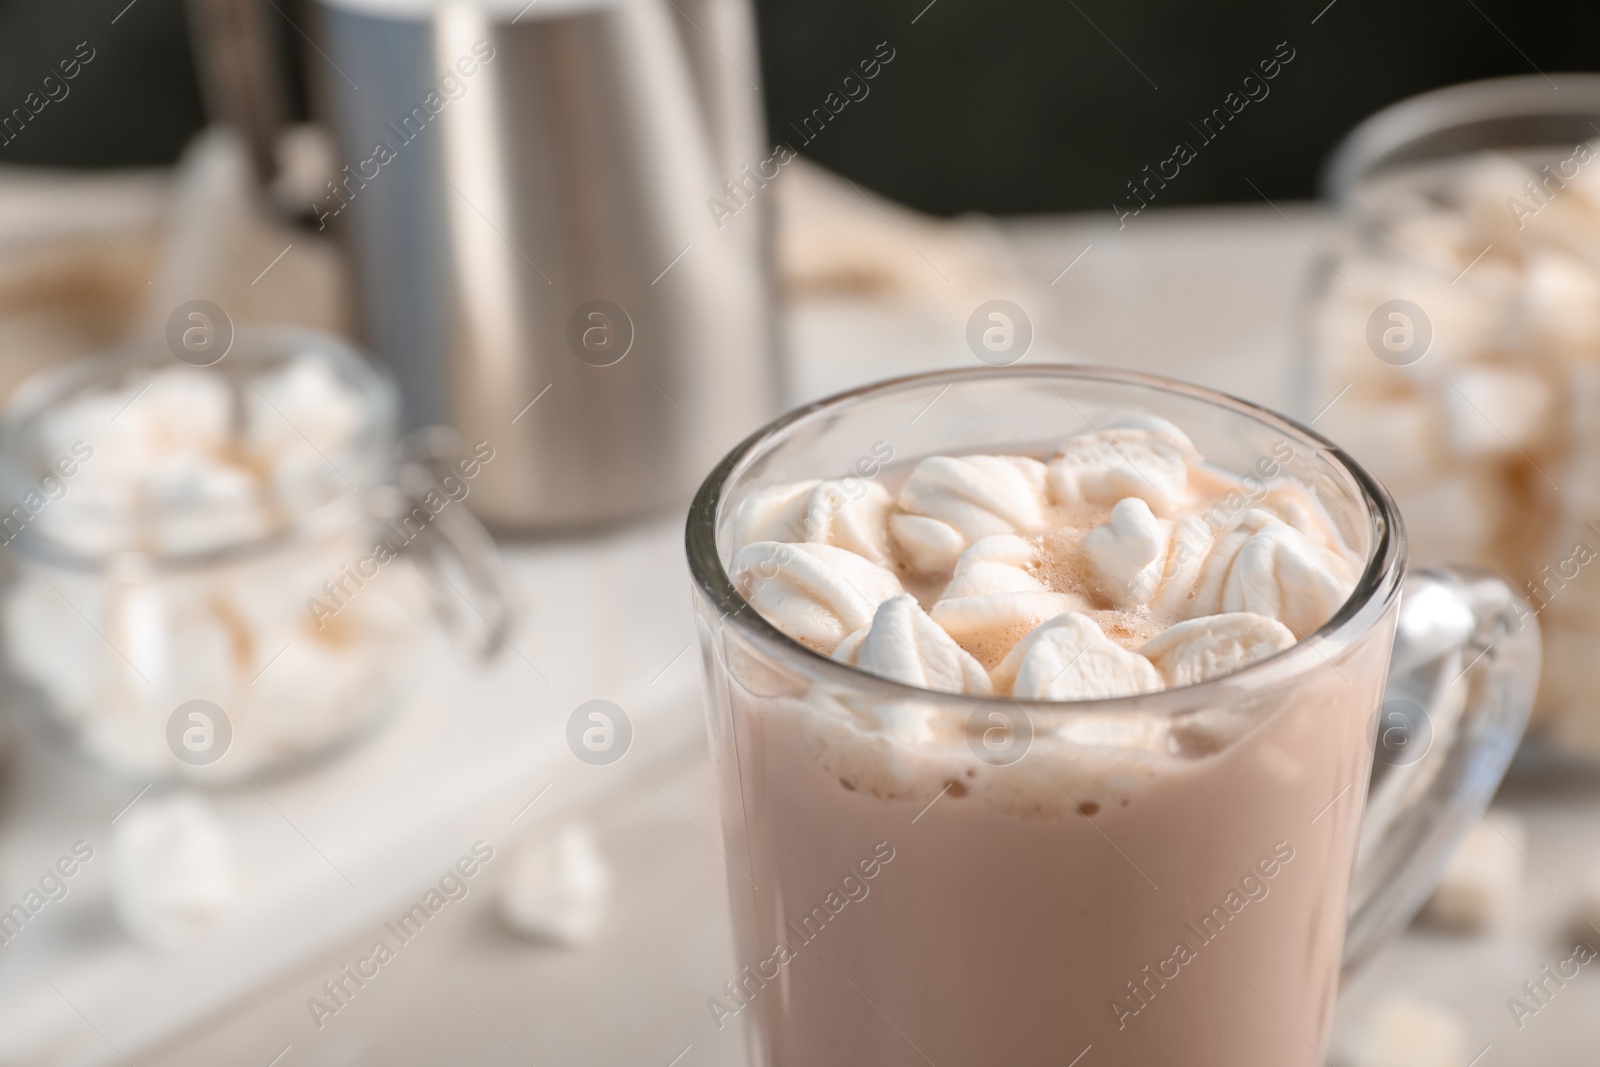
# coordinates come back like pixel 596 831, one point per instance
pixel 922 877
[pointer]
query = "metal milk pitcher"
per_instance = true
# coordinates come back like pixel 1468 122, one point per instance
pixel 526 189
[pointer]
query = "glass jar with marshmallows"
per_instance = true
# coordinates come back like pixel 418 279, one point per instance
pixel 213 570
pixel 1456 335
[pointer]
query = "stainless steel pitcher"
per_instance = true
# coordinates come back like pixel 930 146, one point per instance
pixel 527 188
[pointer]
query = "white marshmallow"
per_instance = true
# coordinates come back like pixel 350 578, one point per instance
pixel 558 891
pixel 1139 456
pixel 1481 889
pixel 817 594
pixel 172 870
pixel 1409 1033
pixel 1128 553
pixel 1493 411
pixel 1002 563
pixel 993 597
pixel 904 645
pixel 305 397
pixel 989 625
pixel 1265 566
pixel 853 516
pixel 773 513
pixel 951 501
pixel 1561 299
pixel 1205 648
pixel 1070 658
pixel 1300 508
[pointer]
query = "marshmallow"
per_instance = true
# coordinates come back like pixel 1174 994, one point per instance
pixel 1003 563
pixel 817 594
pixel 1140 456
pixel 304 404
pixel 172 871
pixel 1070 658
pixel 558 891
pixel 1205 648
pixel 846 514
pixel 1410 1033
pixel 181 464
pixel 993 598
pixel 1128 553
pixel 1265 566
pixel 951 501
pixel 1561 299
pixel 853 516
pixel 1482 887
pixel 1300 508
pixel 1493 411
pixel 774 513
pixel 904 645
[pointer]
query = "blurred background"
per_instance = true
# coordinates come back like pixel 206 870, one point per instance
pixel 495 284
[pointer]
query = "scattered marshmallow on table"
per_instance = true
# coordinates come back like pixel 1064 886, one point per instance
pixel 1481 889
pixel 1410 1033
pixel 173 872
pixel 558 891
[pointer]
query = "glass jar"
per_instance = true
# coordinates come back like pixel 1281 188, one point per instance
pixel 212 570
pixel 1455 339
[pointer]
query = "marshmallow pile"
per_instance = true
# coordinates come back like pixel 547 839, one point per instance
pixel 1490 441
pixel 1121 564
pixel 188 461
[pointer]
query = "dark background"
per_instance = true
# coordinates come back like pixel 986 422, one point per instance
pixel 1004 107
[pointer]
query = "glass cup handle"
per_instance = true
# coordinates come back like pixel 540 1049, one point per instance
pixel 1461 685
pixel 453 551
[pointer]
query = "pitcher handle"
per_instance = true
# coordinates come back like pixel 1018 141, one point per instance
pixel 1461 685
pixel 475 604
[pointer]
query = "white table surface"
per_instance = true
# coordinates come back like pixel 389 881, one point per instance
pixel 1207 295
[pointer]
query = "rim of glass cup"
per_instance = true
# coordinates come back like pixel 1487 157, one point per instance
pixel 1500 105
pixel 252 345
pixel 1377 587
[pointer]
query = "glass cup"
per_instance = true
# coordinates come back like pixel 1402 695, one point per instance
pixel 1452 338
pixel 1177 877
pixel 230 612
